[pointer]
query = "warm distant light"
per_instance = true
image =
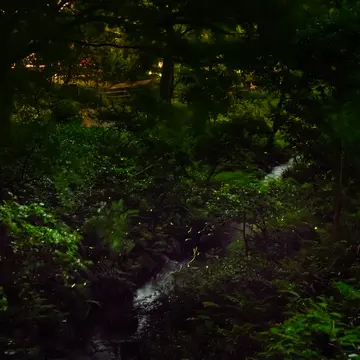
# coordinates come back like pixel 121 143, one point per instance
pixel 160 64
pixel 64 5
pixel 34 66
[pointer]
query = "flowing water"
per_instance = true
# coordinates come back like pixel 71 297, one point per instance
pixel 146 298
pixel 278 171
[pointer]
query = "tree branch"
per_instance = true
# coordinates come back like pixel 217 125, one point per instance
pixel 197 24
pixel 85 43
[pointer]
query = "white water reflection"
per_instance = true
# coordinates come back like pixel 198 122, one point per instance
pixel 278 171
pixel 147 296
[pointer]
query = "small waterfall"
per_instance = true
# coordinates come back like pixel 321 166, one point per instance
pixel 278 171
pixel 147 296
pixel 145 301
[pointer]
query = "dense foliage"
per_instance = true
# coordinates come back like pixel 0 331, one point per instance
pixel 136 134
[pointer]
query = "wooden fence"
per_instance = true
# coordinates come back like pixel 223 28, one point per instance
pixel 116 93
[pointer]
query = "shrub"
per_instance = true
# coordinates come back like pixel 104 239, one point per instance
pixel 321 328
pixel 40 278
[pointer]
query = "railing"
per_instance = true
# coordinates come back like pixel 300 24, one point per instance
pixel 115 96
pixel 115 93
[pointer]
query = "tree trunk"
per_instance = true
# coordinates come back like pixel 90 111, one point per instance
pixel 68 75
pixel 7 270
pixel 337 189
pixel 277 121
pixel 245 235
pixel 6 102
pixel 167 79
pixel 6 108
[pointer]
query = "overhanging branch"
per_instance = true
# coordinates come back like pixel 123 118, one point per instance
pixel 89 44
pixel 110 44
pixel 197 24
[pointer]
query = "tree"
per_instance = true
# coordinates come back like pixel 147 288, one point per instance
pixel 32 28
pixel 322 84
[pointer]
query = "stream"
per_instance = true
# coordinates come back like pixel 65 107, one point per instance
pixel 147 296
pixel 146 300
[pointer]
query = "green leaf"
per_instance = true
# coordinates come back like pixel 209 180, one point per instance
pixel 210 304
